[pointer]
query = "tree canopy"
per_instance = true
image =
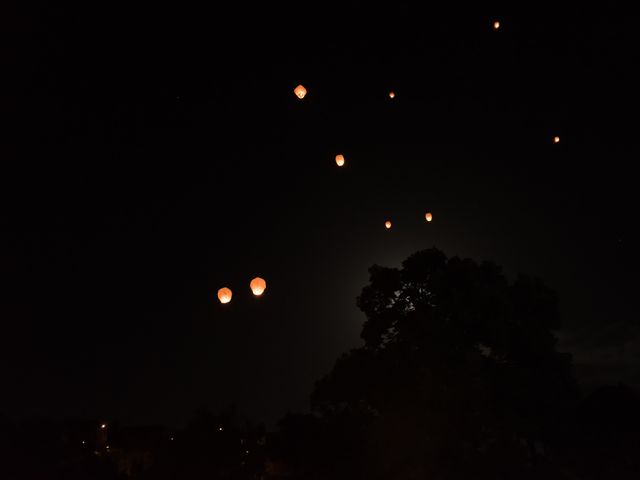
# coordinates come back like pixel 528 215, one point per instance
pixel 459 373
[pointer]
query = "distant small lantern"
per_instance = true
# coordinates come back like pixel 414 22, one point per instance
pixel 392 95
pixel 258 286
pixel 556 139
pixel 496 25
pixel 428 217
pixel 224 295
pixel 387 224
pixel 300 92
pixel 340 160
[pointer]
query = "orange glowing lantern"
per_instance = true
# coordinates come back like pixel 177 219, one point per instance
pixel 340 160
pixel 387 224
pixel 392 95
pixel 556 139
pixel 258 286
pixel 496 25
pixel 224 295
pixel 300 92
pixel 428 217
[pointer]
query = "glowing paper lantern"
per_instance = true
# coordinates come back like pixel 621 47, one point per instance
pixel 496 25
pixel 387 224
pixel 556 139
pixel 300 92
pixel 392 95
pixel 224 295
pixel 428 217
pixel 258 286
pixel 340 160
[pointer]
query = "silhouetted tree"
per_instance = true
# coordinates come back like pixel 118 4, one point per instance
pixel 458 376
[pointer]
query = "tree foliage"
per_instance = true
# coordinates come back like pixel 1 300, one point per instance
pixel 458 375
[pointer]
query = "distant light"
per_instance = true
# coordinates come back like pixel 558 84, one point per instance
pixel 171 439
pixel 224 295
pixel 556 139
pixel 103 426
pixel 387 224
pixel 496 25
pixel 219 429
pixel 83 442
pixel 107 447
pixel 258 286
pixel 247 451
pixel 392 95
pixel 340 160
pixel 428 217
pixel 300 92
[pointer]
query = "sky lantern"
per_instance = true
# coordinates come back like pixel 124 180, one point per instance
pixel 258 286
pixel 496 25
pixel 340 160
pixel 387 224
pixel 224 295
pixel 392 95
pixel 556 139
pixel 300 92
pixel 428 217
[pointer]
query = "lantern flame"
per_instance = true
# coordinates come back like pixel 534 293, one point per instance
pixel 258 286
pixel 392 95
pixel 224 295
pixel 387 224
pixel 340 160
pixel 556 139
pixel 496 25
pixel 300 92
pixel 428 217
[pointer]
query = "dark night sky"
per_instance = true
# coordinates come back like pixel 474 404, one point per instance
pixel 152 156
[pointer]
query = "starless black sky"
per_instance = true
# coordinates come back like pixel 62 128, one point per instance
pixel 151 155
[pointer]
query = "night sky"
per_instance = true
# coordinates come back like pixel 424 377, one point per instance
pixel 151 156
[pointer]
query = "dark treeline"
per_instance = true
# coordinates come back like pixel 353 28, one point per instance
pixel 216 446
pixel 458 377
